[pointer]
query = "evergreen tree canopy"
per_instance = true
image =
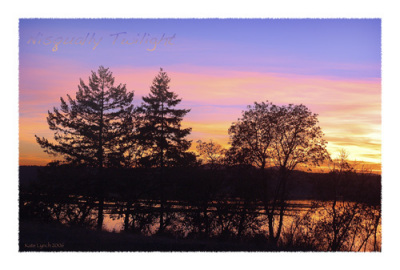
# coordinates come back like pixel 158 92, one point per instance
pixel 95 129
pixel 160 129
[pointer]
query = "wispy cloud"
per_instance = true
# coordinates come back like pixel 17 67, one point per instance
pixel 349 110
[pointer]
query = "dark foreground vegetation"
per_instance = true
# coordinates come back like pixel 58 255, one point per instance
pixel 203 209
pixel 38 236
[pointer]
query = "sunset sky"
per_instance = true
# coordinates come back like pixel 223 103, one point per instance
pixel 217 67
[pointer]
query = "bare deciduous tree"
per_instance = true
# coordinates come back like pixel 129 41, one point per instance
pixel 280 136
pixel 210 152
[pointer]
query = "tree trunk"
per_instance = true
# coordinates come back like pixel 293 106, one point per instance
pixel 101 205
pixel 269 210
pixel 127 215
pixel 376 230
pixel 282 198
pixel 100 157
pixel 162 225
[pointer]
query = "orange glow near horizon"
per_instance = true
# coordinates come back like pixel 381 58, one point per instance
pixel 349 110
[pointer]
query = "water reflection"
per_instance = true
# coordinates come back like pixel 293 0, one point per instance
pixel 307 225
pixel 344 226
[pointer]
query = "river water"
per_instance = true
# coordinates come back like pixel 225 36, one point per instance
pixel 301 220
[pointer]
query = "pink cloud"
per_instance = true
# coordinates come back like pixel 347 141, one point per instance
pixel 349 110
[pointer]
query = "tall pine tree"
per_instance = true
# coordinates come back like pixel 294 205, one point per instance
pixel 160 132
pixel 95 129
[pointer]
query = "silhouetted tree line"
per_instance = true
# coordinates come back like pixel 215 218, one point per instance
pixel 134 163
